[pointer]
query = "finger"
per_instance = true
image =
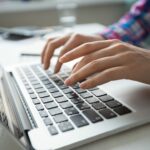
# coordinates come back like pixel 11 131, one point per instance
pixel 92 68
pixel 108 51
pixel 110 74
pixel 42 56
pixel 85 49
pixel 44 49
pixel 69 45
pixel 51 47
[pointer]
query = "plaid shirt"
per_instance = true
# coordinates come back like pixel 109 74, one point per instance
pixel 134 27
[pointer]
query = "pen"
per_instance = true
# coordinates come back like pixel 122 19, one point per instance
pixel 34 55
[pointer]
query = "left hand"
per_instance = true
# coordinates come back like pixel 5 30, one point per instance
pixel 108 60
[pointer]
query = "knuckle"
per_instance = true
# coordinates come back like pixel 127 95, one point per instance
pixel 95 64
pixel 132 55
pixel 51 45
pixel 120 45
pixel 114 41
pixel 127 55
pixel 109 75
pixel 85 60
pixel 87 45
pixel 77 36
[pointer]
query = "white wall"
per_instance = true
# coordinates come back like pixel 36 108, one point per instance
pixel 102 13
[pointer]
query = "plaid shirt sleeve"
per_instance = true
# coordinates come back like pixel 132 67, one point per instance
pixel 134 27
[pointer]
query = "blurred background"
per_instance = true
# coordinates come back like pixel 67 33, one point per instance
pixel 48 12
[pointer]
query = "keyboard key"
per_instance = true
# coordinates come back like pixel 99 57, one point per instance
pixel 51 105
pixel 65 126
pixel 55 111
pixel 63 87
pixel 47 121
pixel 79 90
pixel 28 87
pixel 122 110
pixel 46 82
pixel 82 106
pixel 49 86
pixel 39 107
pixel 56 94
pixel 59 83
pixel 52 130
pixel 53 90
pixel 55 78
pixel 65 105
pixel 37 86
pixel 91 100
pixel 106 98
pixel 77 100
pixel 43 113
pixel 44 94
pixel 98 92
pixel 36 101
pixel 42 77
pixel 93 89
pixel 71 111
pixel 30 91
pixel 49 72
pixel 35 82
pixel 62 75
pixel 33 96
pixel 98 105
pixel 71 95
pixel 113 104
pixel 61 99
pixel 60 118
pixel 47 99
pixel 92 115
pixel 40 90
pixel 76 86
pixel 86 95
pixel 107 113
pixel 66 91
pixel 79 120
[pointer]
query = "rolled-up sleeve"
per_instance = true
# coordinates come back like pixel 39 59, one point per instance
pixel 133 27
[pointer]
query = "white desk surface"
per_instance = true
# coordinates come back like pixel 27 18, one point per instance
pixel 134 139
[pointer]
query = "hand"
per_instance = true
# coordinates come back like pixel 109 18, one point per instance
pixel 108 60
pixel 68 42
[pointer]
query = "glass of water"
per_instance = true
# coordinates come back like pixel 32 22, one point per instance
pixel 67 13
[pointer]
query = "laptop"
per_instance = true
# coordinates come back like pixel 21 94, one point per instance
pixel 45 114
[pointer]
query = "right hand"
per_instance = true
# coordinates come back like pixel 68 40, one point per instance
pixel 68 42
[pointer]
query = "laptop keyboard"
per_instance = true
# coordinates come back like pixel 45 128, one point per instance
pixel 64 108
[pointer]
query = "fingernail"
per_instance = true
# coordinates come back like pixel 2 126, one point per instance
pixel 83 85
pixel 67 81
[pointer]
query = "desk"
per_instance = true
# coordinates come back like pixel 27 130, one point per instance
pixel 135 139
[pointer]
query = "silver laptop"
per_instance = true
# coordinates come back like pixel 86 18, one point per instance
pixel 47 115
